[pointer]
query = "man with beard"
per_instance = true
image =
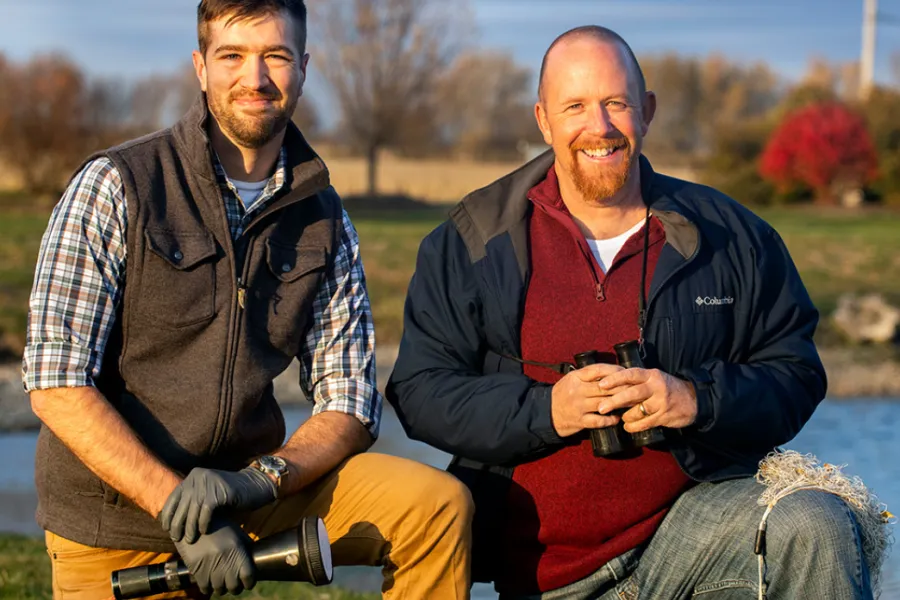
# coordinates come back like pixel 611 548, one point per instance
pixel 179 275
pixel 582 249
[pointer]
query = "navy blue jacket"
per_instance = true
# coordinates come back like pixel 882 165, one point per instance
pixel 727 311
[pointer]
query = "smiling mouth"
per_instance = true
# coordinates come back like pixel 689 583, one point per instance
pixel 601 153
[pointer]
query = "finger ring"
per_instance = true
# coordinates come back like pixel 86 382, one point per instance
pixel 643 410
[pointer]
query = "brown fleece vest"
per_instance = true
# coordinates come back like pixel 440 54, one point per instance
pixel 204 325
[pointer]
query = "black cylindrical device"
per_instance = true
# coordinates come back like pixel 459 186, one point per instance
pixel 606 440
pixel 629 356
pixel 301 554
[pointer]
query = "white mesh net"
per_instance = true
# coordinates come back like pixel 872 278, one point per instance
pixel 786 472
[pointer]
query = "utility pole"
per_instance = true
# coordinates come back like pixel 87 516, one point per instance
pixel 867 58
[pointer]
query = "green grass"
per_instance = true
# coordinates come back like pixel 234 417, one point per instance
pixel 836 251
pixel 24 568
pixel 20 239
pixel 25 574
pixel 388 243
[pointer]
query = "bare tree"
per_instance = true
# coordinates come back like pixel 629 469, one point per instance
pixel 383 60
pixel 674 134
pixel 7 83
pixel 44 135
pixel 107 111
pixel 833 79
pixel 486 106
pixel 699 99
pixel 306 118
pixel 157 101
pixel 52 117
pixel 149 97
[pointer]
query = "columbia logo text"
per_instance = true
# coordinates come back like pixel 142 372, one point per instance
pixel 710 301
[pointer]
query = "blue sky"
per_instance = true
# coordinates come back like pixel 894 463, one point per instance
pixel 132 38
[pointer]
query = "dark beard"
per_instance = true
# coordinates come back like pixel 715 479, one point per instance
pixel 594 186
pixel 250 131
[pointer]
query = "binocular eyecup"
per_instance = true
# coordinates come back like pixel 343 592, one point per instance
pixel 302 554
pixel 612 440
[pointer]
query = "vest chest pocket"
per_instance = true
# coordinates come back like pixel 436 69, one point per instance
pixel 179 277
pixel 282 293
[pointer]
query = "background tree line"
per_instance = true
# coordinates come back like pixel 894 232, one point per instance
pixel 403 76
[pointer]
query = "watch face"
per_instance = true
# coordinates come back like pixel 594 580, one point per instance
pixel 276 463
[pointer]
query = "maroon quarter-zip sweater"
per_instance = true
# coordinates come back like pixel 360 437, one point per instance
pixel 570 512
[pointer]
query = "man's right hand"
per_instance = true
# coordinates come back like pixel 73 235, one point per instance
pixel 204 492
pixel 219 560
pixel 575 399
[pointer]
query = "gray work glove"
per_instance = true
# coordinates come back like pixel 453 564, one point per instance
pixel 190 507
pixel 219 560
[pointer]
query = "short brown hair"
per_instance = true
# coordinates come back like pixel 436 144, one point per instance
pixel 239 10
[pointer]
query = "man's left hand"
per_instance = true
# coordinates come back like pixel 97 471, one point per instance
pixel 667 400
pixel 190 507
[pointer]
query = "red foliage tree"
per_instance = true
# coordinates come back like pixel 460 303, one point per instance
pixel 825 147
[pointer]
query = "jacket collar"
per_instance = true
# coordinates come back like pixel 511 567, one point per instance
pixel 503 205
pixel 681 231
pixel 307 173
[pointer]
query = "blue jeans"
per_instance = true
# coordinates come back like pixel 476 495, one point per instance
pixel 704 549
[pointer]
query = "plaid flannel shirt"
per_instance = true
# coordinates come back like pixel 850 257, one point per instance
pixel 79 277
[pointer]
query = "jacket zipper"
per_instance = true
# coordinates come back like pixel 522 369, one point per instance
pixel 568 224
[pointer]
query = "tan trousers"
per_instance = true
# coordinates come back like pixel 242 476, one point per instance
pixel 411 519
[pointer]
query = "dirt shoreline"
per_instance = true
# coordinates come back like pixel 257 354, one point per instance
pixel 848 378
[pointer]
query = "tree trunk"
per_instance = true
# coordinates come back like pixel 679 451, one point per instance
pixel 825 197
pixel 372 162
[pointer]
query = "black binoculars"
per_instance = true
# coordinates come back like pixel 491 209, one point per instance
pixel 613 440
pixel 302 554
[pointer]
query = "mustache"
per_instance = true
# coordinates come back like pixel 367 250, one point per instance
pixel 272 96
pixel 599 143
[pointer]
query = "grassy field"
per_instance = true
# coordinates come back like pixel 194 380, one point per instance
pixel 24 568
pixel 21 226
pixel 25 574
pixel 388 243
pixel 836 251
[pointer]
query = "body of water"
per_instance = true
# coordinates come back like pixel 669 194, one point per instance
pixel 861 434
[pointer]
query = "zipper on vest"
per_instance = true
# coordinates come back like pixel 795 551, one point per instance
pixel 241 294
pixel 601 293
pixel 238 304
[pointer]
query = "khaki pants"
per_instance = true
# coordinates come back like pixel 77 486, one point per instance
pixel 411 519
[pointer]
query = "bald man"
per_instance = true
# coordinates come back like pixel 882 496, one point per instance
pixel 582 249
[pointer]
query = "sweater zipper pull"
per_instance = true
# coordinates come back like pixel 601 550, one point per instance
pixel 600 293
pixel 241 295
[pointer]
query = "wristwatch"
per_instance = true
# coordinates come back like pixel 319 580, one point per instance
pixel 273 466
